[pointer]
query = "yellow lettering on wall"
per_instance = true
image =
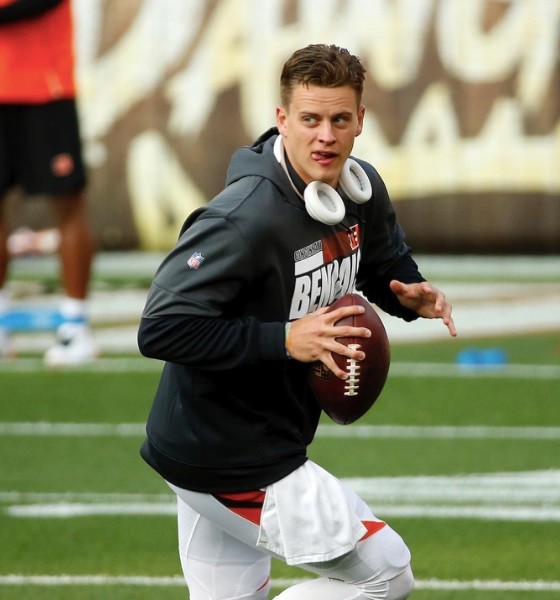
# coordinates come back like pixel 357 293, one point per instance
pixel 162 194
pixel 111 84
pixel 216 65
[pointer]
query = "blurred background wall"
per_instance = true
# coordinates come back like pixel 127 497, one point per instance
pixel 462 110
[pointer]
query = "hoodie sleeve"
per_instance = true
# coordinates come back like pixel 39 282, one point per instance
pixel 190 315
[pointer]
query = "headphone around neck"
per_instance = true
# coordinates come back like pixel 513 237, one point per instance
pixel 322 202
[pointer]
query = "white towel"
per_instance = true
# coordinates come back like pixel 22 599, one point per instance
pixel 308 517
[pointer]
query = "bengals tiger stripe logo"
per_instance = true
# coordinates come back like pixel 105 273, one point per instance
pixel 62 165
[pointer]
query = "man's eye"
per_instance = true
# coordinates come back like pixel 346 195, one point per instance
pixel 309 119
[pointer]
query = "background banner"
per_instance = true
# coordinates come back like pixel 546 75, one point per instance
pixel 462 109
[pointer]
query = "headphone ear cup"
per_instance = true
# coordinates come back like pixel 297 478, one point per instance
pixel 323 203
pixel 354 182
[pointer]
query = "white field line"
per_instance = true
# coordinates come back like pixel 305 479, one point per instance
pixel 101 365
pixel 505 371
pixel 484 513
pixel 449 432
pixel 276 583
pixel 397 369
pixel 50 429
pixel 521 496
pixel 9 497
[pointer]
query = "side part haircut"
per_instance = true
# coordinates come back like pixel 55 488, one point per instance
pixel 322 65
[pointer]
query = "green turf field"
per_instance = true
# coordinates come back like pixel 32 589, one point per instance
pixel 464 464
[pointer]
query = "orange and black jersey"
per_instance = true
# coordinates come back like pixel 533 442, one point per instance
pixel 36 51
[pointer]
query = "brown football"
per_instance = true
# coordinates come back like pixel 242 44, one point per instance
pixel 345 401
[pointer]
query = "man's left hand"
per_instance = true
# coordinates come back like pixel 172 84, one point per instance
pixel 426 300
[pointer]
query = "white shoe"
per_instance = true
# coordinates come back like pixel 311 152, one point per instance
pixel 75 346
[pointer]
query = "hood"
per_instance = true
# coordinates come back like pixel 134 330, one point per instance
pixel 258 160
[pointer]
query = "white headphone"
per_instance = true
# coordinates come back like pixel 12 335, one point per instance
pixel 323 202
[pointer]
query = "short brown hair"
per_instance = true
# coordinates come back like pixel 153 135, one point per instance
pixel 323 65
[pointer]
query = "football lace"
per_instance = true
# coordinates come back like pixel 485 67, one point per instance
pixel 352 384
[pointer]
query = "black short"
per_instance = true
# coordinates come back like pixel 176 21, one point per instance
pixel 40 148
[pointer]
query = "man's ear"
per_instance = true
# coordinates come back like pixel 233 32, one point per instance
pixel 281 117
pixel 360 124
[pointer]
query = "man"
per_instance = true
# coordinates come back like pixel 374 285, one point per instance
pixel 238 312
pixel 40 151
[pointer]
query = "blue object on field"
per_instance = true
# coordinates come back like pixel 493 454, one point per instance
pixel 482 358
pixel 35 319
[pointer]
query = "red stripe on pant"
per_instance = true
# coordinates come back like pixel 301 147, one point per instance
pixel 245 504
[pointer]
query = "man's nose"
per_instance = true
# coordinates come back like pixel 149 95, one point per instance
pixel 326 135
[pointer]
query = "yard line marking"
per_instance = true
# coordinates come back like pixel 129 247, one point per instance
pixel 518 486
pixel 506 371
pixel 279 582
pixel 478 513
pixel 484 513
pixel 490 585
pixel 516 489
pixel 440 432
pixel 50 429
pixel 58 580
pixel 9 497
pixel 521 496
pixel 100 365
pixel 68 510
pixel 397 369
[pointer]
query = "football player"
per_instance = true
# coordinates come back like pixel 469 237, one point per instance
pixel 238 311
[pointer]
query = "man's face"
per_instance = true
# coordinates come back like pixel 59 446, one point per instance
pixel 319 127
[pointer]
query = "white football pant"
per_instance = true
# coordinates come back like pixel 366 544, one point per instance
pixel 221 561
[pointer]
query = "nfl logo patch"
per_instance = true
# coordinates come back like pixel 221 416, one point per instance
pixel 195 260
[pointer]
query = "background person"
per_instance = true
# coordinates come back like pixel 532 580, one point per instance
pixel 40 151
pixel 238 310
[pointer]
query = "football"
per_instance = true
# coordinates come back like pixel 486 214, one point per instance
pixel 345 401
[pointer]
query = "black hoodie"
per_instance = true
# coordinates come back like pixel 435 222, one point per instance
pixel 232 412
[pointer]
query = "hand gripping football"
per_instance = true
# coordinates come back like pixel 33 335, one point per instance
pixel 345 401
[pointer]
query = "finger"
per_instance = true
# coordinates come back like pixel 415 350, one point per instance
pixel 345 311
pixel 348 331
pixel 319 311
pixel 397 287
pixel 331 365
pixel 342 350
pixel 429 289
pixel 441 307
pixel 451 326
pixel 352 353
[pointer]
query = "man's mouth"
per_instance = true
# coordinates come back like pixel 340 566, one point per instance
pixel 323 157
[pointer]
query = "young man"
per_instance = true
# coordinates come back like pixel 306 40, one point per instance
pixel 238 312
pixel 40 151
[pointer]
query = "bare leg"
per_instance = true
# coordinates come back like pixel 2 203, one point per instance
pixel 4 258
pixel 6 349
pixel 75 341
pixel 76 244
